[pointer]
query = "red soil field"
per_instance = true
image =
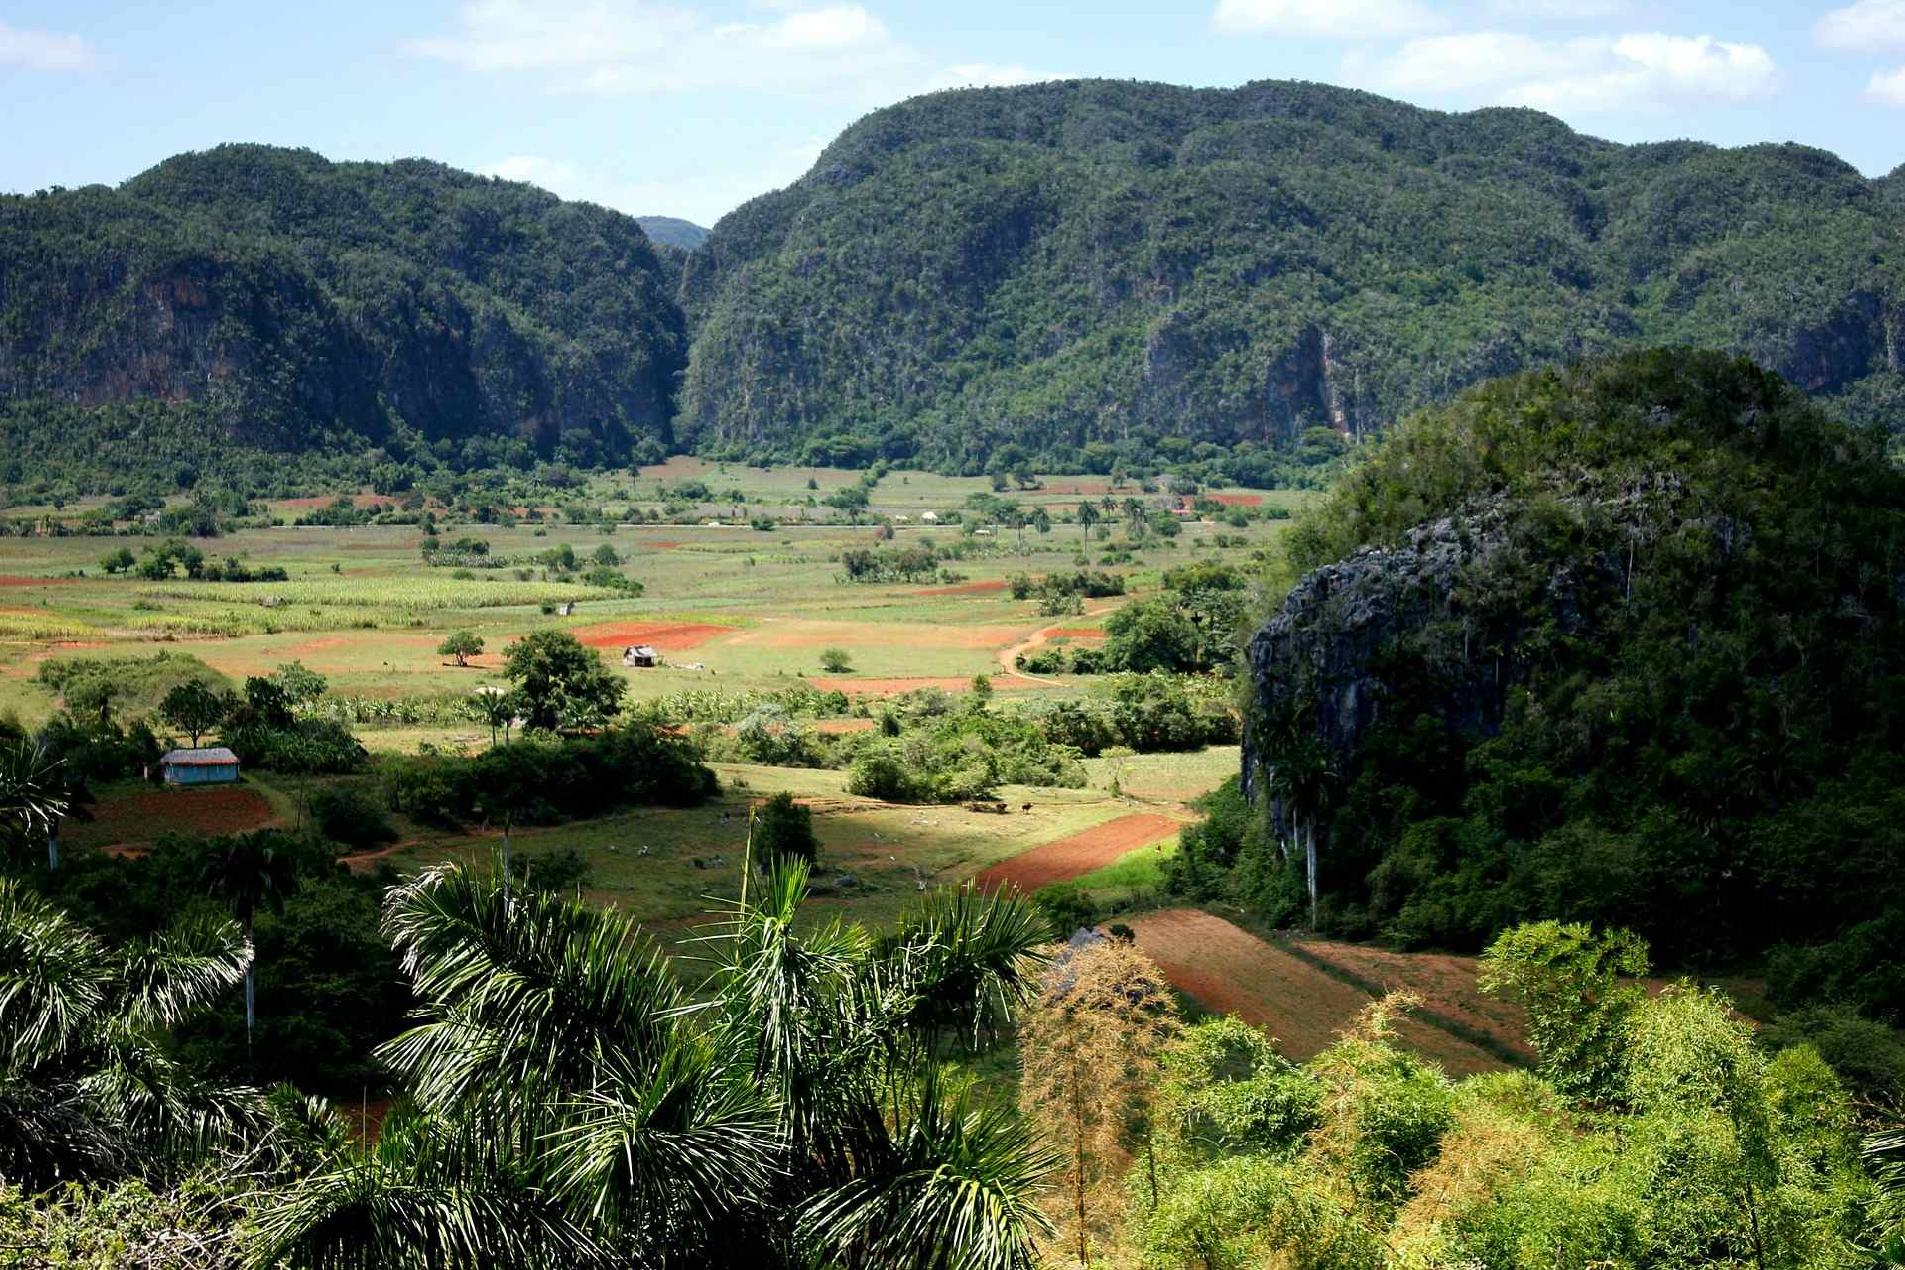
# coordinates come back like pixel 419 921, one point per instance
pixel 1237 500
pixel 982 587
pixel 1445 982
pixel 143 816
pixel 1227 969
pixel 1075 632
pixel 667 636
pixel 1079 854
pixel 14 579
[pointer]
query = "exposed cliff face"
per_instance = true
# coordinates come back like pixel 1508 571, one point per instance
pixel 297 297
pixel 1618 643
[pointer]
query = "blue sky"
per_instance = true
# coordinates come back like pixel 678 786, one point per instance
pixel 688 108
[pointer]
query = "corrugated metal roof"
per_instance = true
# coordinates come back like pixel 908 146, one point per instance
pixel 211 756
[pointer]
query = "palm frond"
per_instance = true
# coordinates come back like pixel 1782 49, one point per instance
pixel 423 1196
pixel 49 1133
pixel 33 792
pixel 958 1192
pixel 173 976
pixel 55 977
pixel 976 958
pixel 521 992
pixel 672 1149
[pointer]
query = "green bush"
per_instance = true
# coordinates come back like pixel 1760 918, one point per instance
pixel 345 815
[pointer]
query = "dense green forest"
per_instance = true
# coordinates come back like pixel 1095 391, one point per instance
pixel 1620 643
pixel 271 298
pixel 1068 276
pixel 1084 267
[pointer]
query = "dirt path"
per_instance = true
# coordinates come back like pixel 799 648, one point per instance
pixel 1008 657
pixel 1226 969
pixel 1080 853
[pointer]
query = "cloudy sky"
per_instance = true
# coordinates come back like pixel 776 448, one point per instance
pixel 688 108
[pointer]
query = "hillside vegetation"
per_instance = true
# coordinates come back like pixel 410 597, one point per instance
pixel 276 299
pixel 1089 268
pixel 1621 644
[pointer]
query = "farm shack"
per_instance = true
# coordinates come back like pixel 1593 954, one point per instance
pixel 641 655
pixel 215 765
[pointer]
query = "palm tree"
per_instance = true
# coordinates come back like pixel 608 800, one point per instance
pixel 33 797
pixel 249 871
pixel 495 706
pixel 89 1087
pixel 573 1106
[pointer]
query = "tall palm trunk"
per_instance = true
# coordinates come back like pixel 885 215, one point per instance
pixel 251 997
pixel 1309 863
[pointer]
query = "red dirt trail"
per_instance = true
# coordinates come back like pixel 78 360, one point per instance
pixel 1079 854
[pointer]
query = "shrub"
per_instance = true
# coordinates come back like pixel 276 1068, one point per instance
pixel 836 661
pixel 346 816
pixel 784 829
pixel 543 781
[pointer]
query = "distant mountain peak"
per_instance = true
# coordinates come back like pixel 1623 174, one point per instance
pixel 672 231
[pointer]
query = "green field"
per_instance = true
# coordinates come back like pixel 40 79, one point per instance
pixel 361 607
pixel 748 610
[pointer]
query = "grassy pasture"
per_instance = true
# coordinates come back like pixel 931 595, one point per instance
pixel 361 607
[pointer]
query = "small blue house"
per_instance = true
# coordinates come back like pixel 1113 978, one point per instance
pixel 213 766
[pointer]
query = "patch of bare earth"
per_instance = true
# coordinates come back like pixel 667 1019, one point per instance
pixel 1226 969
pixel 1080 853
pixel 667 636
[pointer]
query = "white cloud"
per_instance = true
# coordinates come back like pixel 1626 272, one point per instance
pixel 991 75
pixel 1867 26
pixel 702 195
pixel 45 50
pixel 617 47
pixel 1887 87
pixel 1556 10
pixel 1327 19
pixel 1587 74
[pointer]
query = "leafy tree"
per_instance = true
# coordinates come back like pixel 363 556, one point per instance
pixel 782 827
pixel 118 560
pixel 557 677
pixel 1579 990
pixel 836 661
pixel 196 707
pixel 301 686
pixel 462 645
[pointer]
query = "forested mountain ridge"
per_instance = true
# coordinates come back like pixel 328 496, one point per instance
pixel 284 301
pixel 1078 265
